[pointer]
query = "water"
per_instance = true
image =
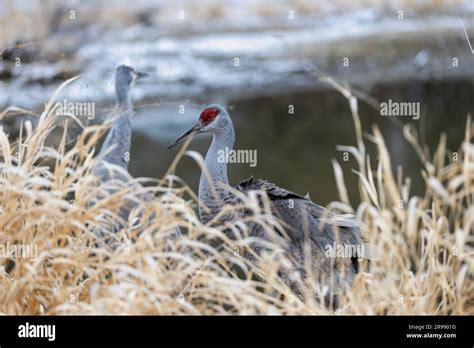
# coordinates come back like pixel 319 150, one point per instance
pixel 295 151
pixel 259 65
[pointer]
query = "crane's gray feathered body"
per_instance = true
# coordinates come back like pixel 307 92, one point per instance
pixel 302 220
pixel 305 221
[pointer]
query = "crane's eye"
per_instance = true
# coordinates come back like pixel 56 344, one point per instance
pixel 208 115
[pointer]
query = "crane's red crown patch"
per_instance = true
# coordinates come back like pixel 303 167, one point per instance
pixel 208 115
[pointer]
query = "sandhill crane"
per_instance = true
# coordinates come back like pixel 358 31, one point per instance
pixel 117 144
pixel 111 165
pixel 302 219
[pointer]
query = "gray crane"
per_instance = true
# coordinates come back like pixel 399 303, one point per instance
pixel 111 168
pixel 303 220
pixel 117 144
pixel 112 161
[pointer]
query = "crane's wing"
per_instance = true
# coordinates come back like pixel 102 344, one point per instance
pixel 272 190
pixel 305 219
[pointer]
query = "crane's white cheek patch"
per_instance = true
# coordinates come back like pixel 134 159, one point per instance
pixel 245 156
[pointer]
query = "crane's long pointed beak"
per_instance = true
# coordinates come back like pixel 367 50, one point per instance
pixel 193 130
pixel 141 75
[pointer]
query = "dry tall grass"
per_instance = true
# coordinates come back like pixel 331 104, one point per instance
pixel 425 244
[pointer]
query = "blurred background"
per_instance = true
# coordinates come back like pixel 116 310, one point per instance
pixel 259 58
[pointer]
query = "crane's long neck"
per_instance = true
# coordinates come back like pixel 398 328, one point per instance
pixel 117 144
pixel 212 193
pixel 123 95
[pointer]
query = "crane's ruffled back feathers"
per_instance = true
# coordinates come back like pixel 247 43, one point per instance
pixel 296 209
